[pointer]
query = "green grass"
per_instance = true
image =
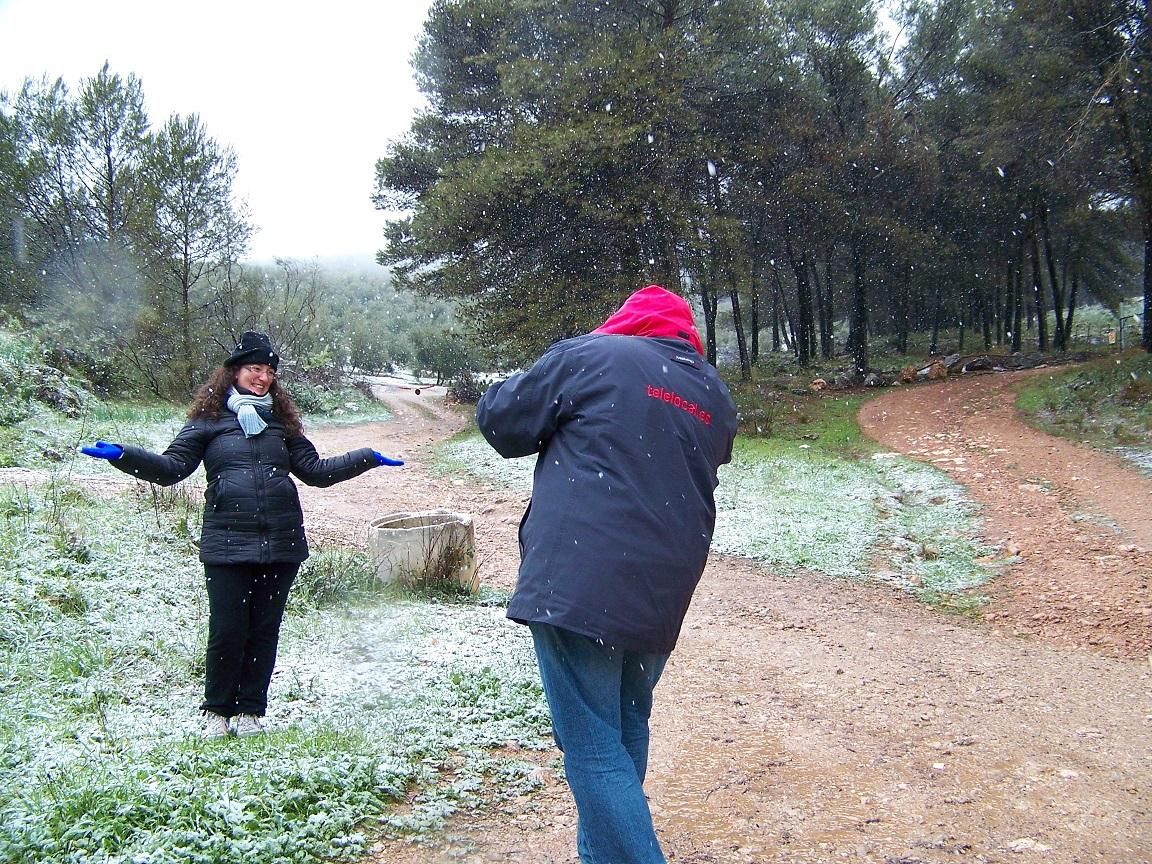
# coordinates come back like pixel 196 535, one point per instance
pixel 334 576
pixel 1106 403
pixel 782 408
pixel 193 802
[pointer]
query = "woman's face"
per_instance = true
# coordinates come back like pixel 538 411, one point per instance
pixel 255 378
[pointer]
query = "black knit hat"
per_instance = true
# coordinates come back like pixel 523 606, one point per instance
pixel 253 348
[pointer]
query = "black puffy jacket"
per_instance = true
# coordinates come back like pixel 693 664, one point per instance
pixel 251 506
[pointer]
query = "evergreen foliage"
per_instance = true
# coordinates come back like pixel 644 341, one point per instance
pixel 789 164
pixel 815 174
pixel 123 250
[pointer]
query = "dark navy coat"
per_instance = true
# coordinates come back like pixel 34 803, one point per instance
pixel 629 432
pixel 251 506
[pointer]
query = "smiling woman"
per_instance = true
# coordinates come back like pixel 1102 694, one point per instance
pixel 256 377
pixel 246 430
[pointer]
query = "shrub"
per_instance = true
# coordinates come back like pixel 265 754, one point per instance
pixel 333 575
pixel 26 379
pixel 310 399
pixel 466 389
pixel 17 382
pixel 1137 393
pixel 445 557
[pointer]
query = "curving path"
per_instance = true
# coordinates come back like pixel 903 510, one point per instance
pixel 1075 524
pixel 810 720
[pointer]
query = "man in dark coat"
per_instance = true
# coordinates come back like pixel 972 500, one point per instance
pixel 629 425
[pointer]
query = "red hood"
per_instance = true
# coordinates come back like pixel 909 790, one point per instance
pixel 654 312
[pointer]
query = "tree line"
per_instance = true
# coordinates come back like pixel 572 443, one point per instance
pixel 976 165
pixel 117 230
pixel 123 247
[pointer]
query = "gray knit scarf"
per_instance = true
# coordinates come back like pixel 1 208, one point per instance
pixel 245 407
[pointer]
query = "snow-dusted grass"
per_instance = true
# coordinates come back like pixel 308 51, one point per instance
pixel 46 438
pixel 1106 404
pixel 798 508
pixel 386 716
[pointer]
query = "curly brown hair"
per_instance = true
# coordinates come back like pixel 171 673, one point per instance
pixel 212 396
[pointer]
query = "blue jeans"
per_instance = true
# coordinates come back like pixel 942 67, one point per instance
pixel 600 698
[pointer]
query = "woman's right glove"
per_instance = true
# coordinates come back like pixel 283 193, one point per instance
pixel 381 459
pixel 103 450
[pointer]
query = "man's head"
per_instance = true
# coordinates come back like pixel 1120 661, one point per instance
pixel 657 313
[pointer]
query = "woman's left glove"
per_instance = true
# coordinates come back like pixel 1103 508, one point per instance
pixel 381 459
pixel 103 450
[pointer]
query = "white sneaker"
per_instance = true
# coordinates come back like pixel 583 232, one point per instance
pixel 216 727
pixel 245 725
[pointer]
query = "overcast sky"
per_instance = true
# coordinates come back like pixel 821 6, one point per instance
pixel 308 95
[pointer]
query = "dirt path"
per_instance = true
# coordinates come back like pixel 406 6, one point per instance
pixel 1078 521
pixel 813 720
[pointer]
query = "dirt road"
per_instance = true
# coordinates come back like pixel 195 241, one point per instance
pixel 1078 521
pixel 813 720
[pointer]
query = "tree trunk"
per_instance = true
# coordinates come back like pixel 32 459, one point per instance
pixel 738 325
pixel 859 316
pixel 708 305
pixel 983 289
pixel 900 310
pixel 937 303
pixel 824 313
pixel 1038 296
pixel 962 315
pixel 1002 303
pixel 1017 315
pixel 1061 337
pixel 754 322
pixel 828 351
pixel 1072 292
pixel 818 293
pixel 1146 333
pixel 804 330
pixel 776 313
pixel 186 353
pixel 781 315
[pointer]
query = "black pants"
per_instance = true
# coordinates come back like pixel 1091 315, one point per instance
pixel 245 608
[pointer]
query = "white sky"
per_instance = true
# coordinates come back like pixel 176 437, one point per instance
pixel 308 95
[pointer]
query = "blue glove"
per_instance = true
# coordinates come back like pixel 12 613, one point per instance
pixel 381 459
pixel 103 450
